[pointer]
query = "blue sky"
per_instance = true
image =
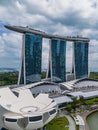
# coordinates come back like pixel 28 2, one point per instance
pixel 62 17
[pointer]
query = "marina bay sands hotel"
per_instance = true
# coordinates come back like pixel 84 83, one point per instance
pixel 31 61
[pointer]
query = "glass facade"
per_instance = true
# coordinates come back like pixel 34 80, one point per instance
pixel 22 73
pixel 35 118
pixel 49 71
pixel 32 59
pixel 58 53
pixel 52 112
pixel 81 59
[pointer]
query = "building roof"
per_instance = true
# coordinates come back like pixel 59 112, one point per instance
pixel 76 94
pixel 43 34
pixel 68 85
pixel 25 104
pixel 62 99
pixel 32 85
pixel 86 95
pixel 79 83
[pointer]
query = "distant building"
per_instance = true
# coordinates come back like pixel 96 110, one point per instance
pixel 31 59
pixel 57 60
pixel 80 59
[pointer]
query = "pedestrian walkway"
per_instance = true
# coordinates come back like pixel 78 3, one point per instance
pixel 79 121
pixel 72 125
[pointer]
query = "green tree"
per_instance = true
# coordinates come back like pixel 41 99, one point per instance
pixel 69 107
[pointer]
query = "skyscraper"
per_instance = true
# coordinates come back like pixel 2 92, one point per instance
pixel 57 57
pixel 32 55
pixel 80 59
pixel 31 59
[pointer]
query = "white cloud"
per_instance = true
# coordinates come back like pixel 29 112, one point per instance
pixel 10 49
pixel 45 53
pixel 66 17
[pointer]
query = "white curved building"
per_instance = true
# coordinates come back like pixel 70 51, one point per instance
pixel 80 83
pixel 25 112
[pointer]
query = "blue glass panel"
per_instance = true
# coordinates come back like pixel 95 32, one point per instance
pixel 35 118
pixel 32 58
pixel 49 71
pixel 10 120
pixel 58 49
pixel 81 59
pixel 22 73
pixel 52 112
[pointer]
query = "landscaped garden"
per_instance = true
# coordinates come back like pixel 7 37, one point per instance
pixel 81 104
pixel 11 78
pixel 8 78
pixel 93 75
pixel 60 123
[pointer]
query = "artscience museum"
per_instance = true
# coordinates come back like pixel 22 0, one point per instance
pixel 25 112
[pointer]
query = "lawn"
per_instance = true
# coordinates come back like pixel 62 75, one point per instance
pixel 58 124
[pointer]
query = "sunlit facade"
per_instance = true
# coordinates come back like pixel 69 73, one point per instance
pixel 31 59
pixel 80 59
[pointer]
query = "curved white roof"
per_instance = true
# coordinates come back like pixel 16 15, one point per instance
pixel 86 83
pixel 62 99
pixel 25 103
pixel 69 85
pixel 32 85
pixel 79 83
pixel 86 95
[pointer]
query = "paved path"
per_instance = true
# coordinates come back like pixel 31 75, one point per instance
pixel 71 122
